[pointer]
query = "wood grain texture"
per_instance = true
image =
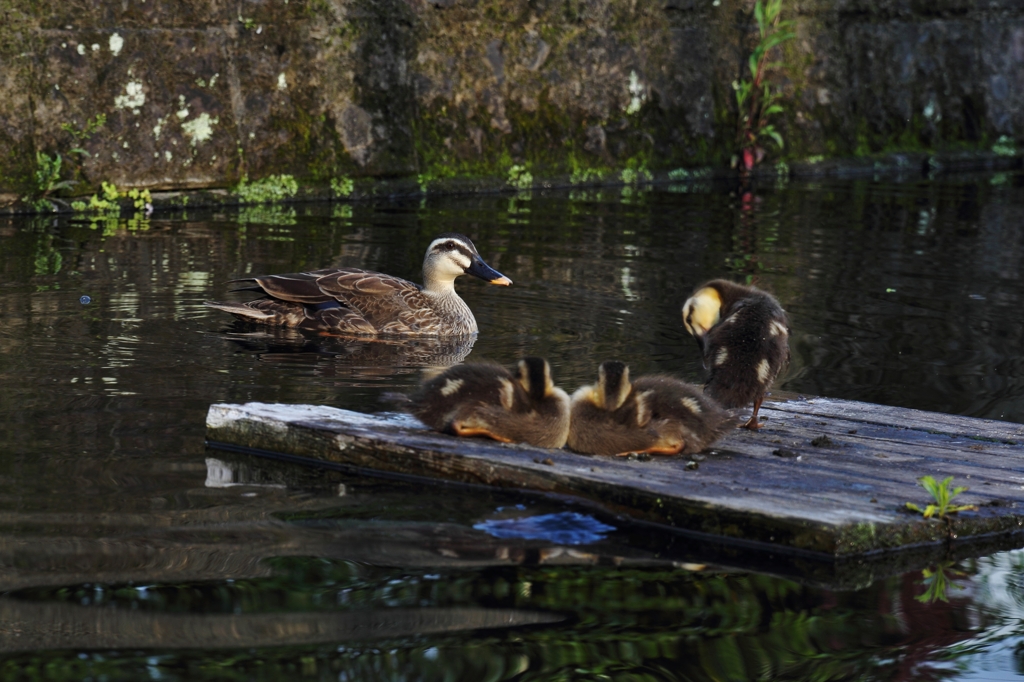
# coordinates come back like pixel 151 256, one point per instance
pixel 841 497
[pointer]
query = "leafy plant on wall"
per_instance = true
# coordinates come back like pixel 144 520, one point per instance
pixel 756 100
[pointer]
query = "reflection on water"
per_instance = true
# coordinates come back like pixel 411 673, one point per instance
pixel 331 355
pixel 128 551
pixel 564 528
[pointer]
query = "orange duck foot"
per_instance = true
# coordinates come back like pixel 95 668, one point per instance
pixel 471 431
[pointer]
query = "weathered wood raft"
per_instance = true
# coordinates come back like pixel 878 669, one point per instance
pixel 825 477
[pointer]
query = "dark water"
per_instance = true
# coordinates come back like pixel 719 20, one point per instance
pixel 129 551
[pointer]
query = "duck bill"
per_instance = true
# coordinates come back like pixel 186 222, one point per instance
pixel 478 268
pixel 699 338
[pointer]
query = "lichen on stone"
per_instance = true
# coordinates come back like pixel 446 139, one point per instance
pixel 133 98
pixel 199 129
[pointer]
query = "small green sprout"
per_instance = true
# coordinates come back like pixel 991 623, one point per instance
pixel 943 496
pixel 91 126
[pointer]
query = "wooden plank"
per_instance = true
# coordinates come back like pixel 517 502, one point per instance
pixel 902 417
pixel 841 498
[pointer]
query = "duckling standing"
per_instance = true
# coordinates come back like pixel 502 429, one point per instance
pixel 487 400
pixel 350 301
pixel 658 415
pixel 743 335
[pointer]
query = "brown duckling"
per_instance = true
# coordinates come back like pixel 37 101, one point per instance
pixel 479 399
pixel 656 414
pixel 744 337
pixel 350 301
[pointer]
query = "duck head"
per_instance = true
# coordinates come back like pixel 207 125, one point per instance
pixel 612 385
pixel 451 255
pixel 534 375
pixel 701 312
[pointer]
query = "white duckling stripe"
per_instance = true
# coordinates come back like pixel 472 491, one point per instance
pixel 451 386
pixel 692 405
pixel 506 394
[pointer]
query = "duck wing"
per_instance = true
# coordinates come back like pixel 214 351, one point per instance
pixel 294 300
pixel 390 305
pixel 295 287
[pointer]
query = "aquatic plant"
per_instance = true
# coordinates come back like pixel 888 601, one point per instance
pixel 632 176
pixel 342 186
pixel 582 175
pixel 943 496
pixel 756 101
pixel 1005 146
pixel 140 198
pixel 519 177
pixel 269 189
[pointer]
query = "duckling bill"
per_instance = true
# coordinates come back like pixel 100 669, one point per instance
pixel 744 337
pixel 658 415
pixel 351 301
pixel 477 399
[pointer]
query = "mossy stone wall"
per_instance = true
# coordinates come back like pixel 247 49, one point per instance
pixel 199 94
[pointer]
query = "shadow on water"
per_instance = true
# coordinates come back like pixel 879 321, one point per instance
pixel 129 551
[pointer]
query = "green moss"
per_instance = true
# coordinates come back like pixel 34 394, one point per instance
pixel 545 141
pixel 311 148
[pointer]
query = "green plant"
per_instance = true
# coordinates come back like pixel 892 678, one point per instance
pixel 937 582
pixel 91 126
pixel 756 101
pixel 48 170
pixel 1005 146
pixel 342 186
pixel 519 177
pixel 269 189
pixel 584 175
pixel 943 496
pixel 140 198
pixel 631 176
pixel 110 192
pixel 107 204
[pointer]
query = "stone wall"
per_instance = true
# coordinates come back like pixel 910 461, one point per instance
pixel 199 94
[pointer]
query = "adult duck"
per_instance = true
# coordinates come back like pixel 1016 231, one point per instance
pixel 351 301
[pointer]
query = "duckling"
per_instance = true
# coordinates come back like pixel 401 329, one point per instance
pixel 744 337
pixel 656 414
pixel 480 399
pixel 350 301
